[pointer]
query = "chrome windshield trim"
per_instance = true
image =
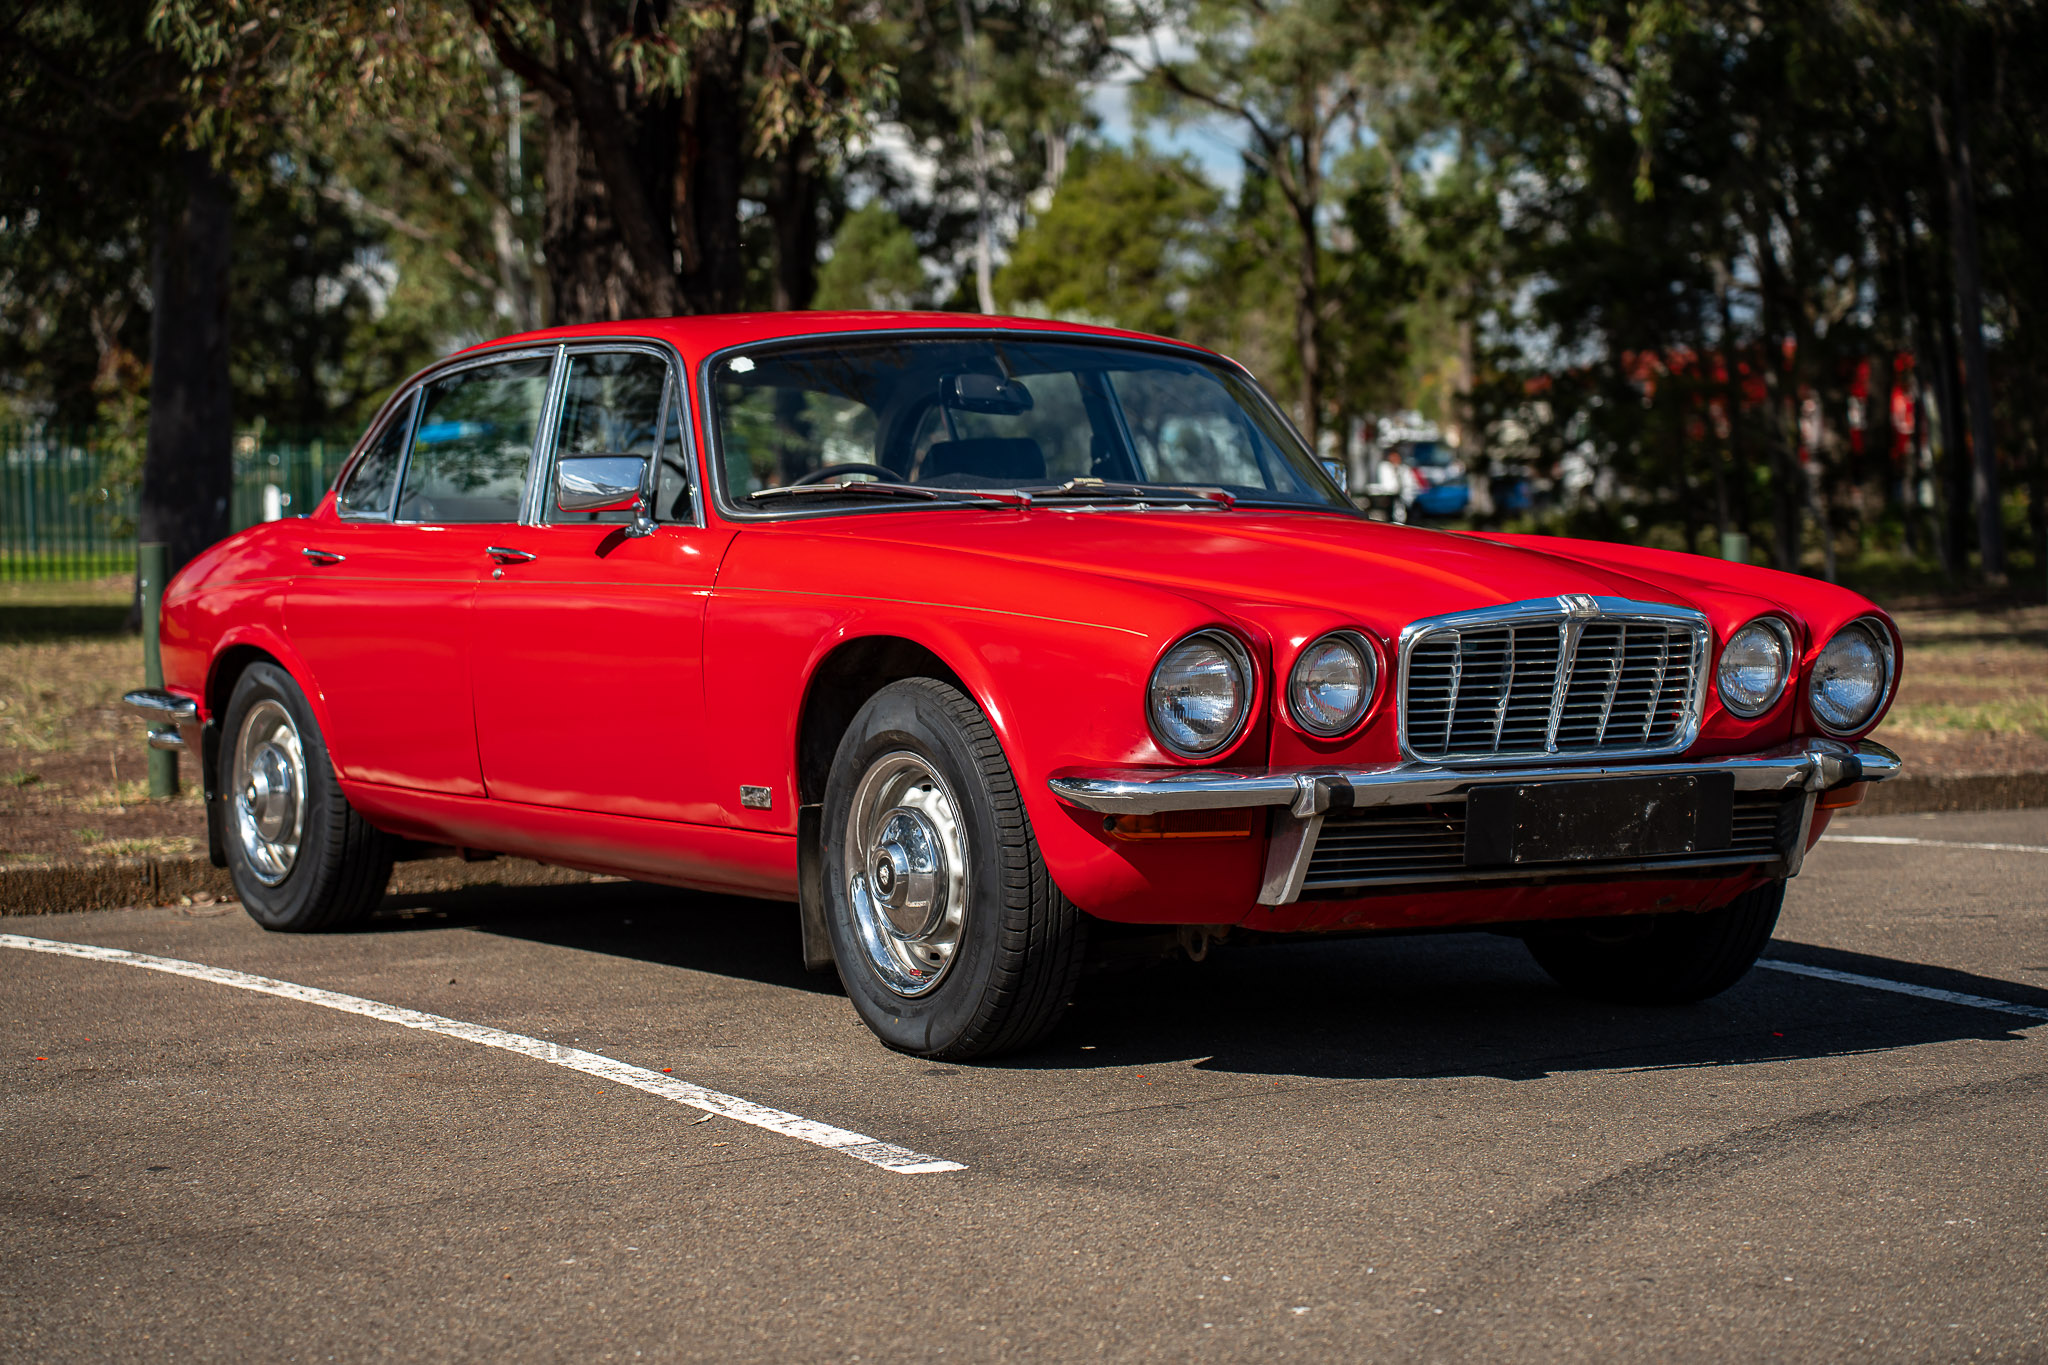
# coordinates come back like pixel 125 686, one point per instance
pixel 734 510
pixel 1573 612
pixel 1804 765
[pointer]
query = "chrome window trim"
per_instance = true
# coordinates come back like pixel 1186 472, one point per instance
pixel 389 414
pixel 1783 628
pixel 714 454
pixel 1572 611
pixel 1887 647
pixel 533 497
pixel 672 400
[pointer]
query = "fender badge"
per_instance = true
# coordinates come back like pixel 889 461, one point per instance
pixel 757 798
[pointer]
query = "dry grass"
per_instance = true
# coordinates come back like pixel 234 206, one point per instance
pixel 72 759
pixel 1973 696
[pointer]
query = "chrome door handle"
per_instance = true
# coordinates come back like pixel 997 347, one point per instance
pixel 501 555
pixel 321 556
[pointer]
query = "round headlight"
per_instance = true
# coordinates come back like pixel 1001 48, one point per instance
pixel 1200 694
pixel 1332 683
pixel 1851 676
pixel 1755 665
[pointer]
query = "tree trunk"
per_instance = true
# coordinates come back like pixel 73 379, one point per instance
pixel 188 465
pixel 1308 309
pixel 793 207
pixel 1731 397
pixel 984 243
pixel 1957 177
pixel 1954 452
pixel 587 264
pixel 712 146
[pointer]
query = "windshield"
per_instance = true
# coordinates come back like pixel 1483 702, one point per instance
pixel 1000 412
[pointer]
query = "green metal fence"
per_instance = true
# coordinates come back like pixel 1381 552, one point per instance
pixel 67 510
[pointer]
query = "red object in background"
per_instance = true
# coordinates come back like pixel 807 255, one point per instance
pixel 638 704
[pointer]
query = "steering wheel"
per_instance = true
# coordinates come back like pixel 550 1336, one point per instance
pixel 833 471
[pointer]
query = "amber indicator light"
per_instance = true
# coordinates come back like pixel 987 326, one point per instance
pixel 1843 797
pixel 1181 824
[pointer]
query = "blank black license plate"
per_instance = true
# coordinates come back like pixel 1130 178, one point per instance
pixel 1602 820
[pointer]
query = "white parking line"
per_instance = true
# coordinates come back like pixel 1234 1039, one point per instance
pixel 887 1155
pixel 1898 841
pixel 1878 983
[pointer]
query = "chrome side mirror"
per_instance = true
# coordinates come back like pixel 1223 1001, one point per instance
pixel 600 483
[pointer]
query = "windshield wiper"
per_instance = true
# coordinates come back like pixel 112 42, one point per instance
pixel 877 489
pixel 1100 490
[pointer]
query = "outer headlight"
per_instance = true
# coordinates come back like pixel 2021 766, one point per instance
pixel 1332 683
pixel 1200 694
pixel 1852 676
pixel 1755 666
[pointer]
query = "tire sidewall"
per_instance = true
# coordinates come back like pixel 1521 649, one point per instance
pixel 288 903
pixel 913 719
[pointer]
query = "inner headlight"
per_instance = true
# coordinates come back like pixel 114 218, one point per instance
pixel 1332 683
pixel 1755 665
pixel 1851 676
pixel 1200 694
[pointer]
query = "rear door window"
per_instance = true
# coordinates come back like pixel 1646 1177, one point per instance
pixel 473 443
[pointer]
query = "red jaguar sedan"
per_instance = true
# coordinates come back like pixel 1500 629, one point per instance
pixel 971 635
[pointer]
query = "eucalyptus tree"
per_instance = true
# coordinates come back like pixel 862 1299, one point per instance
pixel 653 111
pixel 1302 80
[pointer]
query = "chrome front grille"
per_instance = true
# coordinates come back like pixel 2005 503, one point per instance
pixel 1563 677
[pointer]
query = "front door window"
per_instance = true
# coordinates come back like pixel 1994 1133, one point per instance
pixel 611 405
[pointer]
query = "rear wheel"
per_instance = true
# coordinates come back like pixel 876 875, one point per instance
pixel 300 856
pixel 1662 959
pixel 949 934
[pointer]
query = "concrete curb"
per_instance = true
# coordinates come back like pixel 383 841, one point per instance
pixel 122 883
pixel 1962 791
pixel 119 883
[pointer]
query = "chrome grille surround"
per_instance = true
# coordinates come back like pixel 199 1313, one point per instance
pixel 1568 677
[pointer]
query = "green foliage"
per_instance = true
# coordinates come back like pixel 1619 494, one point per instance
pixel 874 263
pixel 1122 242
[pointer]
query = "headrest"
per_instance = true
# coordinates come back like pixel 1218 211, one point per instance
pixel 988 457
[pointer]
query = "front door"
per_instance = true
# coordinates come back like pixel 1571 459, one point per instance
pixel 588 638
pixel 380 611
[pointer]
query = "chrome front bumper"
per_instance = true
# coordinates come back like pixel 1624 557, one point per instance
pixel 1307 795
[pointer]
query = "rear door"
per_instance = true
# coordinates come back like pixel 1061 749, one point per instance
pixel 380 611
pixel 588 669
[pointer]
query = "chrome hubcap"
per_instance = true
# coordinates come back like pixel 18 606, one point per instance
pixel 269 791
pixel 906 872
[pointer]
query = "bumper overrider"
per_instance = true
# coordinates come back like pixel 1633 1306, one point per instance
pixel 1419 808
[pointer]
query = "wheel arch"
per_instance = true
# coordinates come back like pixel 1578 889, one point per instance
pixel 841 683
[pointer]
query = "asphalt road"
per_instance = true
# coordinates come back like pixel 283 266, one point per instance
pixel 1387 1149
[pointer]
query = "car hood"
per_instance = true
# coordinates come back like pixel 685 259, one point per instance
pixel 1380 574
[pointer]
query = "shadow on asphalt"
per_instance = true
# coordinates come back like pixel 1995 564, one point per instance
pixel 1464 1004
pixel 752 940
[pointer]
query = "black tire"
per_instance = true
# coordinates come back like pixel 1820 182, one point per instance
pixel 1661 959
pixel 341 865
pixel 1018 946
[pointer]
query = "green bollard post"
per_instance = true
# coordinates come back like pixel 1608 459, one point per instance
pixel 151 569
pixel 1735 546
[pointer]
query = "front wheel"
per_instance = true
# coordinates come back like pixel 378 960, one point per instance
pixel 948 932
pixel 300 856
pixel 1661 959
